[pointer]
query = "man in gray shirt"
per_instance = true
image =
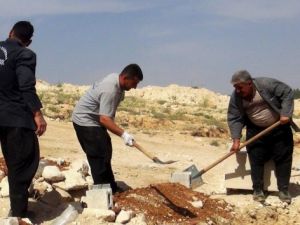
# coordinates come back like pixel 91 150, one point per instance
pixel 95 113
pixel 257 104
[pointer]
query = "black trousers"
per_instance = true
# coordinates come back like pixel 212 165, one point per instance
pixel 21 152
pixel 277 145
pixel 96 143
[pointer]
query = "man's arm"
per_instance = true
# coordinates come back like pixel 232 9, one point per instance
pixel 40 123
pixel 107 122
pixel 25 71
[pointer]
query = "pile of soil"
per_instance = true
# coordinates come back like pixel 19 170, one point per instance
pixel 172 203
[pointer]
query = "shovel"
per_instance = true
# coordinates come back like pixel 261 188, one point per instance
pixel 196 175
pixel 149 155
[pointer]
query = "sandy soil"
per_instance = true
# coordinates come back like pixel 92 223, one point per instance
pixel 137 171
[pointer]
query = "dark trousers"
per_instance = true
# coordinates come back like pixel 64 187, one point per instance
pixel 96 143
pixel 277 145
pixel 21 152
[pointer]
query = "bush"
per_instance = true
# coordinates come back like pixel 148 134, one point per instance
pixel 297 93
pixel 214 143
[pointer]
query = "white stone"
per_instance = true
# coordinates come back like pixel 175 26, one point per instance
pixel 138 220
pixel 9 221
pixel 53 174
pixel 65 196
pixel 42 187
pixel 2 175
pixel 124 217
pixel 73 181
pixel 40 169
pixel 99 214
pixel 4 187
pixel 197 204
pixel 89 180
pixel 81 166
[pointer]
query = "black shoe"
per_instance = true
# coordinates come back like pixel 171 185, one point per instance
pixel 118 190
pixel 285 196
pixel 259 196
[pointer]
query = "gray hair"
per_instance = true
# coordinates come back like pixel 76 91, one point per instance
pixel 241 76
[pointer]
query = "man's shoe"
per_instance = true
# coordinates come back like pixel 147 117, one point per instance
pixel 259 196
pixel 118 189
pixel 285 196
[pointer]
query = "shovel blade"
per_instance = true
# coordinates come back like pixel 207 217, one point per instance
pixel 196 178
pixel 157 160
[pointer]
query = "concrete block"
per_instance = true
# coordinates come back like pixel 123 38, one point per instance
pixel 9 221
pixel 238 173
pixel 183 178
pixel 99 198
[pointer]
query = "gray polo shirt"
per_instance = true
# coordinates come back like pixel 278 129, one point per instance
pixel 102 98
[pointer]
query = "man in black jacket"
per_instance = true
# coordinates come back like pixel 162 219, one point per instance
pixel 20 117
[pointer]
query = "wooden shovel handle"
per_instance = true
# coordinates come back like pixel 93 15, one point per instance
pixel 254 138
pixel 140 148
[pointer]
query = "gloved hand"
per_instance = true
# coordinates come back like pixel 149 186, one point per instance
pixel 128 138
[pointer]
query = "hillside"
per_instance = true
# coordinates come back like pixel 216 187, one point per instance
pixel 197 111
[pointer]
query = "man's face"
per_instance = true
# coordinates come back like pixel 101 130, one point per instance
pixel 245 90
pixel 130 83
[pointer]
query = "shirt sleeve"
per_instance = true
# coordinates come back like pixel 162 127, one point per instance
pixel 108 104
pixel 235 118
pixel 25 71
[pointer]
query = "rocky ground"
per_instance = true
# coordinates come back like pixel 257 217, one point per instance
pixel 137 172
pixel 191 137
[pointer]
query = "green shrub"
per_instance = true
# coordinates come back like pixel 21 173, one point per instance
pixel 214 143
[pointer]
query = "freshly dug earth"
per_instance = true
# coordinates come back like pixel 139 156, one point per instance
pixel 171 203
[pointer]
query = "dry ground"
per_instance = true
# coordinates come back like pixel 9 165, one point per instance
pixel 137 171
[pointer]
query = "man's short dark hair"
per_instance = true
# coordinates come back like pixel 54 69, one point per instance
pixel 133 70
pixel 23 30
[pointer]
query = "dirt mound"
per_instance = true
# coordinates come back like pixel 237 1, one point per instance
pixel 170 203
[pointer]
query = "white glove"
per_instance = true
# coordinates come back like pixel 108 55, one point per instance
pixel 128 138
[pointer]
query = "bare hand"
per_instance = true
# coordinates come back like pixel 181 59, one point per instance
pixel 40 123
pixel 284 119
pixel 235 145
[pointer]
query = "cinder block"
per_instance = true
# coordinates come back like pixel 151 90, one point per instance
pixel 238 173
pixel 99 198
pixel 183 178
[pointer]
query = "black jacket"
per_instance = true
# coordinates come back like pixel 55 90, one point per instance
pixel 18 98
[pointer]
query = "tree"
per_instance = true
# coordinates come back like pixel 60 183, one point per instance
pixel 297 93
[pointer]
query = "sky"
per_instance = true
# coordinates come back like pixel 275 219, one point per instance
pixel 196 43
